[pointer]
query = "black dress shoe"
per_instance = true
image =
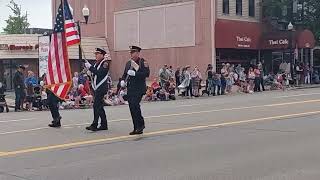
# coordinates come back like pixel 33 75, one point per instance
pixel 55 125
pixel 132 133
pixel 103 128
pixel 139 131
pixel 92 128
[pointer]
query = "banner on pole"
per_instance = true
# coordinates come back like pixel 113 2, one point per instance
pixel 44 45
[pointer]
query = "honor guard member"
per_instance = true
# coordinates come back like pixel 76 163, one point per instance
pixel 134 77
pixel 100 75
pixel 53 103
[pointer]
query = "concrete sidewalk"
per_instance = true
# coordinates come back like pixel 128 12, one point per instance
pixel 10 96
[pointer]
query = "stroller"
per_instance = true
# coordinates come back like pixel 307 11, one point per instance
pixel 3 102
pixel 37 101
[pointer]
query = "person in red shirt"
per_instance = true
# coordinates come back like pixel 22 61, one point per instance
pixel 87 86
pixel 155 86
pixel 83 94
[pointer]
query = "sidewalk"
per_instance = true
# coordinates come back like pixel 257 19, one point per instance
pixel 10 95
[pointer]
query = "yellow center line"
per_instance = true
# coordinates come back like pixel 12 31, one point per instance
pixel 173 115
pixel 162 132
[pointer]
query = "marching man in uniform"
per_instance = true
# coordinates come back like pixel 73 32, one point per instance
pixel 99 83
pixel 53 103
pixel 134 77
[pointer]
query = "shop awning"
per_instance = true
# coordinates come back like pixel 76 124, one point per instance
pixel 306 39
pixel 237 34
pixel 281 39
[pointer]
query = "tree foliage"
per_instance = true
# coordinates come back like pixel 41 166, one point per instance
pixel 18 22
pixel 304 14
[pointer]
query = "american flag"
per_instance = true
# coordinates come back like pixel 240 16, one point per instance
pixel 64 34
pixel 72 34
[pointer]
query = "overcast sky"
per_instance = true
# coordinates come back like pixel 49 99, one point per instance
pixel 39 12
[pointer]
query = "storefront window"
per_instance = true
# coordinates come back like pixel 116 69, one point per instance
pixel 239 7
pixel 235 57
pixel 7 71
pixel 225 6
pixel 252 8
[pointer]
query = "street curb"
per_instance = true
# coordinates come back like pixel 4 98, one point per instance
pixel 295 88
pixel 308 87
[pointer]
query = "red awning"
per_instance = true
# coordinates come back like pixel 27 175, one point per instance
pixel 306 39
pixel 237 34
pixel 232 34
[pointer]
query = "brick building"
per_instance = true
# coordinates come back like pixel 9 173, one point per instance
pixel 190 32
pixel 173 32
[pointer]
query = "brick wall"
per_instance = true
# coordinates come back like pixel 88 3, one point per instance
pixel 200 54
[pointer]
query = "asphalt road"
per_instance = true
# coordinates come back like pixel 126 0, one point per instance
pixel 265 136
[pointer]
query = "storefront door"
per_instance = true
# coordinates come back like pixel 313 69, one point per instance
pixel 7 71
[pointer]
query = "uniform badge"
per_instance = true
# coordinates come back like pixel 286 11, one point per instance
pixel 105 65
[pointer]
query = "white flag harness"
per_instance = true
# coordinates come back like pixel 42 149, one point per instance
pixel 95 86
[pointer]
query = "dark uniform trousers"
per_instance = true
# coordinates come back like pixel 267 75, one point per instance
pixel 53 103
pixel 135 110
pixel 98 109
pixel 18 81
pixel 20 95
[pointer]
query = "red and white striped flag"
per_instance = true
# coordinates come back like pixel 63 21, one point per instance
pixel 71 30
pixel 58 77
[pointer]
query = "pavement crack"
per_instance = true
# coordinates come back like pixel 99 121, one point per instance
pixel 13 175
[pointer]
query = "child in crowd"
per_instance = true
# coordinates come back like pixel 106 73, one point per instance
pixel 84 95
pixel 163 95
pixel 172 89
pixel 251 78
pixel 44 95
pixel 121 94
pixel 149 94
pixel 29 97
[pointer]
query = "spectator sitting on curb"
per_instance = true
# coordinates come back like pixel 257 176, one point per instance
pixel 172 89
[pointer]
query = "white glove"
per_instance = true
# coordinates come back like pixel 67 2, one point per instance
pixel 87 64
pixel 123 84
pixel 131 73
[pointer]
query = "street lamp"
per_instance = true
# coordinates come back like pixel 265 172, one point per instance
pixel 290 26
pixel 290 29
pixel 86 14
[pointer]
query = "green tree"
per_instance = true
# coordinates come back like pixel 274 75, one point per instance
pixel 305 14
pixel 18 22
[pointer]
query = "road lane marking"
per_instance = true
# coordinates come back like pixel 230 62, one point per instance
pixel 296 95
pixel 155 133
pixel 171 115
pixel 17 120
